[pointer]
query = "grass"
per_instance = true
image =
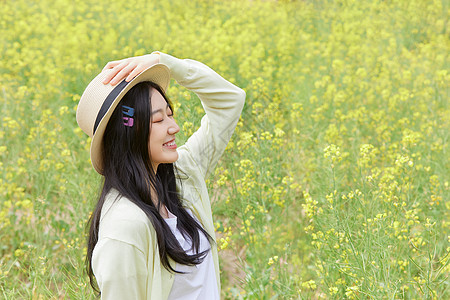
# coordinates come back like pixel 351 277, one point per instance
pixel 335 184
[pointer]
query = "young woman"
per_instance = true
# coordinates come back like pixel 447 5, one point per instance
pixel 151 233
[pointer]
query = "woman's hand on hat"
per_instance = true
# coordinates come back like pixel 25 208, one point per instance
pixel 128 68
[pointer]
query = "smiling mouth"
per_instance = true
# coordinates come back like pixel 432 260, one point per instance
pixel 170 144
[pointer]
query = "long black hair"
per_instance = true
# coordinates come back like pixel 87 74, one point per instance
pixel 127 168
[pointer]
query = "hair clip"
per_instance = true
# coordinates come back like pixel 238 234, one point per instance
pixel 128 121
pixel 126 110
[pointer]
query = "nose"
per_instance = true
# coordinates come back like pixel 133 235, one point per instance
pixel 173 128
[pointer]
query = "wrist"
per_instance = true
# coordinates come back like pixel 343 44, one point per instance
pixel 157 55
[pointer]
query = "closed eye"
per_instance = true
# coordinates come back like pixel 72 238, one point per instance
pixel 170 114
pixel 159 121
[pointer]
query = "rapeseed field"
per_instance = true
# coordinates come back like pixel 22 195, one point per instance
pixel 335 184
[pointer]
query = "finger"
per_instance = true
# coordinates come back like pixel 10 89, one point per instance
pixel 123 73
pixel 110 65
pixel 114 72
pixel 135 72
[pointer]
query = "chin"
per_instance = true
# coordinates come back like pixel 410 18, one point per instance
pixel 173 158
pixel 176 158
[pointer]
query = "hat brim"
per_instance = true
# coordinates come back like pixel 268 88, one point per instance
pixel 159 74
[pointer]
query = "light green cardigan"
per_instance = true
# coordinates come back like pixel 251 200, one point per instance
pixel 126 259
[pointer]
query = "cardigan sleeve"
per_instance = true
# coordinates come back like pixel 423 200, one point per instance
pixel 223 103
pixel 122 260
pixel 120 270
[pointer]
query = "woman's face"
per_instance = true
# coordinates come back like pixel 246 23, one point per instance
pixel 163 128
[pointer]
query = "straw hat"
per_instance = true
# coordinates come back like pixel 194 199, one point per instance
pixel 99 101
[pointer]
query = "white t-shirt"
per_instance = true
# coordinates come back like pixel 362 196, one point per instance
pixel 200 280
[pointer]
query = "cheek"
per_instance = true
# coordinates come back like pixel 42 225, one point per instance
pixel 156 137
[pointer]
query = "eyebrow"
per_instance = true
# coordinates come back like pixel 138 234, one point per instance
pixel 159 110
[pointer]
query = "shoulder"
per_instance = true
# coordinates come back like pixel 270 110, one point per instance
pixel 124 221
pixel 117 207
pixel 185 164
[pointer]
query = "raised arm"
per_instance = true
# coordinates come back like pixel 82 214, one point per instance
pixel 222 102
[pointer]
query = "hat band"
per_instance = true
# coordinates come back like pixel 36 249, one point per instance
pixel 108 102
